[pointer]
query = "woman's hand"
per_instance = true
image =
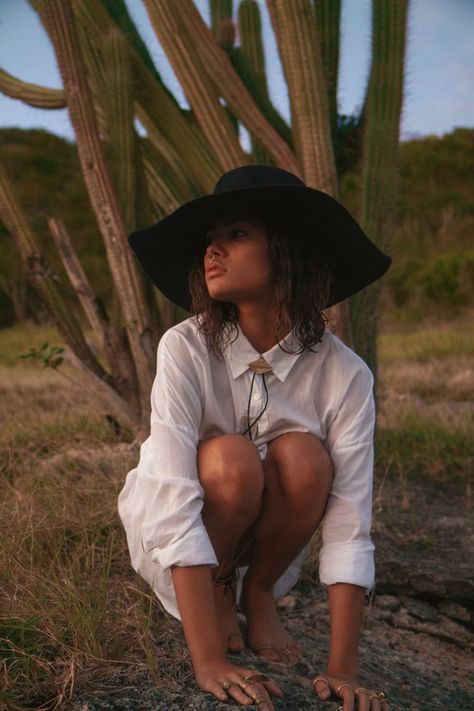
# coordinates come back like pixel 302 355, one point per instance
pixel 246 686
pixel 353 695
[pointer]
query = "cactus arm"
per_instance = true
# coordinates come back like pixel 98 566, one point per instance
pixel 243 68
pixel 119 102
pixel 328 19
pixel 294 25
pixel 227 82
pixel 155 106
pixel 187 61
pixel 221 11
pixel 112 343
pixel 233 90
pixel 39 96
pixel 166 192
pixel 61 27
pixel 251 48
pixel 118 11
pixel 382 114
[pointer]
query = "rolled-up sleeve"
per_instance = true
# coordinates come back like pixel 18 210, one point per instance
pixel 161 503
pixel 347 553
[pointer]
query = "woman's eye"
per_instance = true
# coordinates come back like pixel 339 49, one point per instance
pixel 236 232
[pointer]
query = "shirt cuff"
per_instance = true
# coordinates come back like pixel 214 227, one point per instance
pixel 351 562
pixel 194 549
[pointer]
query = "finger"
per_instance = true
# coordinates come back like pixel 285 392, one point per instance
pixel 375 704
pixel 321 686
pixel 239 695
pixel 272 687
pixel 385 705
pixel 215 688
pixel 257 694
pixel 347 696
pixel 362 701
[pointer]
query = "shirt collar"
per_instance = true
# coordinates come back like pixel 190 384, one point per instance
pixel 241 352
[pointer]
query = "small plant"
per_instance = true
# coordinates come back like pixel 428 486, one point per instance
pixel 50 356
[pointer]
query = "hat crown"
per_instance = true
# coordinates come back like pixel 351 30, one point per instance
pixel 255 176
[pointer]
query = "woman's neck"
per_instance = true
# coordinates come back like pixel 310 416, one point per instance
pixel 257 323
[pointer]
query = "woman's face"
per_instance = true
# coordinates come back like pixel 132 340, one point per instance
pixel 240 270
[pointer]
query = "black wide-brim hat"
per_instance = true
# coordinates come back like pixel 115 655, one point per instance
pixel 167 250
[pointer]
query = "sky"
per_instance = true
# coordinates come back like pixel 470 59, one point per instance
pixel 439 74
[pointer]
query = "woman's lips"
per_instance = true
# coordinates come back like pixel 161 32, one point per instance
pixel 215 271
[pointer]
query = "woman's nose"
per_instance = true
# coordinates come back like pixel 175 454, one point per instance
pixel 214 248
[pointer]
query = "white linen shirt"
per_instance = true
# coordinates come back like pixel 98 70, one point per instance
pixel 195 395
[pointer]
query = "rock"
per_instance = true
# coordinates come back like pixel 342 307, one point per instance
pixel 387 602
pixel 456 612
pixel 418 608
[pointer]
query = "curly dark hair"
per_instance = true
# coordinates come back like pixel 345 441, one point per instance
pixel 302 281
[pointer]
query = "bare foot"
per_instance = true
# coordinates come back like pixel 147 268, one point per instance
pixel 266 634
pixel 227 618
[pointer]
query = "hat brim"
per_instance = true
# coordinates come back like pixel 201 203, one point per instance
pixel 167 250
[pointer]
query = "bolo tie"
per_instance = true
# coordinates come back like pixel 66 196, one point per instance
pixel 260 367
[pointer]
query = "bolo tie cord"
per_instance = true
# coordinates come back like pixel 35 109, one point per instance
pixel 249 426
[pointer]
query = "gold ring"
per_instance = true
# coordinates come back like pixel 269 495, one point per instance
pixel 341 686
pixel 374 696
pixel 258 676
pixel 258 701
pixel 243 684
pixel 227 684
pixel 383 696
pixel 361 690
pixel 320 677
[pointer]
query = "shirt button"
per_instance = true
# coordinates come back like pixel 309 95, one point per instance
pixel 256 397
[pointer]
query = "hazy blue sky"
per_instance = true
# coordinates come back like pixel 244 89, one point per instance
pixel 439 70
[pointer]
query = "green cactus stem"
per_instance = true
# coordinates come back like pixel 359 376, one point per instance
pixel 40 96
pixel 155 106
pixel 187 60
pixel 294 25
pixel 380 154
pixel 251 47
pixel 230 86
pixel 328 19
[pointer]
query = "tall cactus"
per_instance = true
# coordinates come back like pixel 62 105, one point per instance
pixel 109 79
pixel 328 21
pixel 379 154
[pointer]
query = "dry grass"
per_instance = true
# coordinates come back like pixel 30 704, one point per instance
pixel 425 401
pixel 74 614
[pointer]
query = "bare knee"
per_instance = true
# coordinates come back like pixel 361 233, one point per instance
pixel 230 471
pixel 300 466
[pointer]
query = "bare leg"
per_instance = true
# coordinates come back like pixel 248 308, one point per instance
pixel 231 473
pixel 298 478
